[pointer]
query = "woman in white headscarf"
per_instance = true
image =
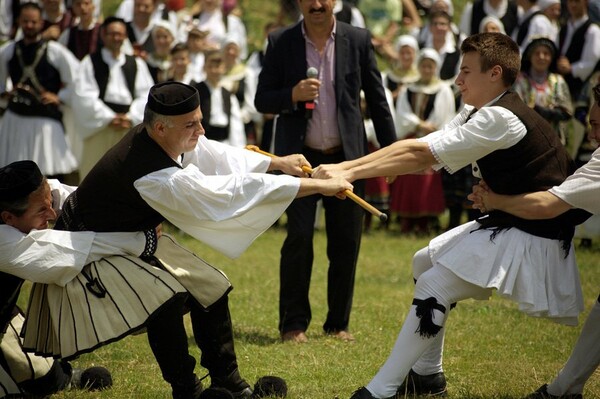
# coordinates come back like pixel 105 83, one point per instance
pixel 404 69
pixel 491 24
pixel 423 107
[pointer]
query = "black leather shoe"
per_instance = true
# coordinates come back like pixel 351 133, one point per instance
pixel 416 384
pixel 188 391
pixel 542 393
pixel 234 383
pixel 363 393
pixel 215 393
pixel 245 393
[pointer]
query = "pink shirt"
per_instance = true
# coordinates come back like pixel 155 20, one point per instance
pixel 322 129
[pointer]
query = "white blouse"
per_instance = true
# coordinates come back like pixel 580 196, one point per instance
pixel 222 196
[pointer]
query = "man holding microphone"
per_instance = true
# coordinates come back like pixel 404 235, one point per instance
pixel 312 76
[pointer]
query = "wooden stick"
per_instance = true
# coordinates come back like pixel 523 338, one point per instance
pixel 364 204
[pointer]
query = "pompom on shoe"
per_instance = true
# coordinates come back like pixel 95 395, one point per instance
pixel 92 379
pixel 269 386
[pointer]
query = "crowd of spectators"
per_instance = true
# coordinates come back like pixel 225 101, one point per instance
pixel 85 90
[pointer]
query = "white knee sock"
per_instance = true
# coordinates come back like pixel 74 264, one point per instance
pixel 584 359
pixel 409 346
pixel 441 284
pixel 431 360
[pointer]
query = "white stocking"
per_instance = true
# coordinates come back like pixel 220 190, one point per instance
pixel 431 360
pixel 584 359
pixel 440 283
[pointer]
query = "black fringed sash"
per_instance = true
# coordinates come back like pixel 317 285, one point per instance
pixel 425 307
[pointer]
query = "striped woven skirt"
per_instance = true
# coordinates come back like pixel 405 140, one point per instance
pixel 113 297
pixel 108 300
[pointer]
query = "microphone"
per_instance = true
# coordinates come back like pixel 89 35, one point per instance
pixel 311 73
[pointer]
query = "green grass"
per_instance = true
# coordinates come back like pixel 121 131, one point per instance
pixel 492 350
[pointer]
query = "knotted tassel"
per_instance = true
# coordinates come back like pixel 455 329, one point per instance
pixel 425 307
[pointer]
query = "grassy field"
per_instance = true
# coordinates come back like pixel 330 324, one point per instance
pixel 492 350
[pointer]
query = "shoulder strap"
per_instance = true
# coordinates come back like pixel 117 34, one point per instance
pixel 29 70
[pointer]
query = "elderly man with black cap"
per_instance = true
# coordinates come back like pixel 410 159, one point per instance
pixel 164 169
pixel 30 251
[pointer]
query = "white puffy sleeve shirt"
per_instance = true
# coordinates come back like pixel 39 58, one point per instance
pixel 222 196
pixel 459 144
pixel 581 189
pixel 56 257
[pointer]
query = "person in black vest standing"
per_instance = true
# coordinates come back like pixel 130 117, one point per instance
pixel 111 94
pixel 578 46
pixel 84 37
pixel 165 169
pixel 320 116
pixel 580 190
pixel 474 12
pixel 42 75
pixel 221 109
pixel 502 138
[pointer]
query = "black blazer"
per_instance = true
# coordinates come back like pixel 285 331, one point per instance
pixel 355 69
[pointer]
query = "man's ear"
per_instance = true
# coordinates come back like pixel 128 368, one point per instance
pixel 496 73
pixel 159 128
pixel 8 218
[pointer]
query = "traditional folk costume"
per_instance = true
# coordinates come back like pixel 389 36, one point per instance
pixel 82 40
pixel 222 117
pixel 579 41
pixel 216 193
pixel 43 256
pixel 580 190
pixel 24 373
pixel 548 92
pixel 419 198
pixel 106 87
pixel 474 12
pixel 396 76
pixel 241 81
pixel 529 261
pixel 55 261
pixel 220 27
pixel 30 129
pixel 377 189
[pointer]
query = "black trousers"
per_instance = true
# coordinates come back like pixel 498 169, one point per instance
pixel 343 223
pixel 213 334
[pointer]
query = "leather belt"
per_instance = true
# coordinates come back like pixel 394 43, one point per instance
pixel 327 151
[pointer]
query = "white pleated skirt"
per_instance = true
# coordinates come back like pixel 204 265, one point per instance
pixel 529 270
pixel 109 300
pixel 39 139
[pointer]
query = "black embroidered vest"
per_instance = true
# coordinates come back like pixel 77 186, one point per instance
pixel 573 53
pixel 28 103
pixel 524 28
pixel 83 42
pixel 509 20
pixel 538 162
pixel 218 133
pixel 101 73
pixel 106 199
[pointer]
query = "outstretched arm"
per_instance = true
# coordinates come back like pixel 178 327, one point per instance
pixel 537 205
pixel 399 158
pixel 290 165
pixel 329 187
